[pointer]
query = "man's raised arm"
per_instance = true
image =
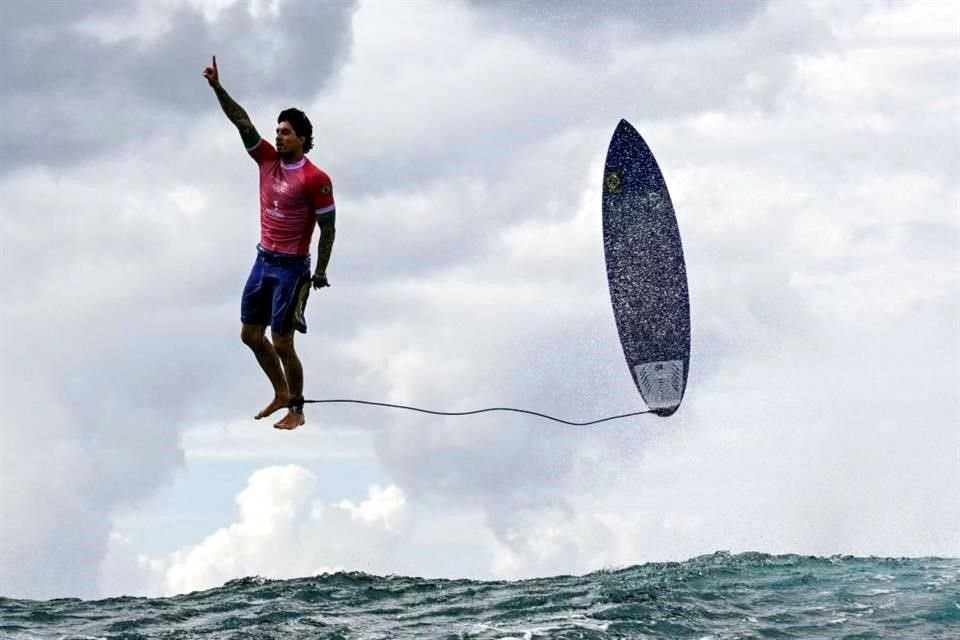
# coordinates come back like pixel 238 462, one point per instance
pixel 233 110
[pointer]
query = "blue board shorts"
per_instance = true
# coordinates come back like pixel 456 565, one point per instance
pixel 276 292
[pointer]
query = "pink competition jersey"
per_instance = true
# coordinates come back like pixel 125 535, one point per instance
pixel 291 195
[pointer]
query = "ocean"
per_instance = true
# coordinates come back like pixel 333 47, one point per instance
pixel 719 596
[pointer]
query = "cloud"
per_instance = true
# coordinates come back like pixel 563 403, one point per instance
pixel 64 475
pixel 145 62
pixel 99 369
pixel 283 531
pixel 778 247
pixel 237 441
pixel 581 25
pixel 811 154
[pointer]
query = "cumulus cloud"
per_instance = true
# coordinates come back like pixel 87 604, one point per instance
pixel 283 531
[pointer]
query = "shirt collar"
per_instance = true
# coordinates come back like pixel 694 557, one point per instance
pixel 295 165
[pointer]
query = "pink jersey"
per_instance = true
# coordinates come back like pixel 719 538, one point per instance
pixel 291 196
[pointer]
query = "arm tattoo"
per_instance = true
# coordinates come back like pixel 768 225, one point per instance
pixel 325 247
pixel 236 114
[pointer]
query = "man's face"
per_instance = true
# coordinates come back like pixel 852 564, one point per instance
pixel 288 144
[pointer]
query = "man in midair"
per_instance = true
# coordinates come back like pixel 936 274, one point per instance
pixel 294 197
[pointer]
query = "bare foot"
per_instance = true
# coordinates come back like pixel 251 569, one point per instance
pixel 279 402
pixel 292 420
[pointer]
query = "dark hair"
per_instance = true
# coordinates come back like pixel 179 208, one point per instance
pixel 301 125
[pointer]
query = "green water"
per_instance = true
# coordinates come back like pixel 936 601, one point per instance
pixel 720 596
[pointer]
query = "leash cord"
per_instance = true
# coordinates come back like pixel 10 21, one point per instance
pixel 470 413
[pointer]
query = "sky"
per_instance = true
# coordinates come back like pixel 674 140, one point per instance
pixel 812 151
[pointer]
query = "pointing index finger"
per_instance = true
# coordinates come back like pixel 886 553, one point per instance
pixel 214 63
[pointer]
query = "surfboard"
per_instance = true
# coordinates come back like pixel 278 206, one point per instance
pixel 646 271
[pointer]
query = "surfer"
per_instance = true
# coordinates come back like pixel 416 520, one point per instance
pixel 294 196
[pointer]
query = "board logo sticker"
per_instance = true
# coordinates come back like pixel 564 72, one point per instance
pixel 613 182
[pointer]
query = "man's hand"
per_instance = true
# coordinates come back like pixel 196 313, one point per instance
pixel 211 74
pixel 233 111
pixel 320 280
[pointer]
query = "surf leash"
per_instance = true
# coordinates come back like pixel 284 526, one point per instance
pixel 299 402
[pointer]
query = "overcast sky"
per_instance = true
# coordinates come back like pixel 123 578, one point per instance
pixel 812 150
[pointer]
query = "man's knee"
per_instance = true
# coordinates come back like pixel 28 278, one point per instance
pixel 252 335
pixel 283 343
